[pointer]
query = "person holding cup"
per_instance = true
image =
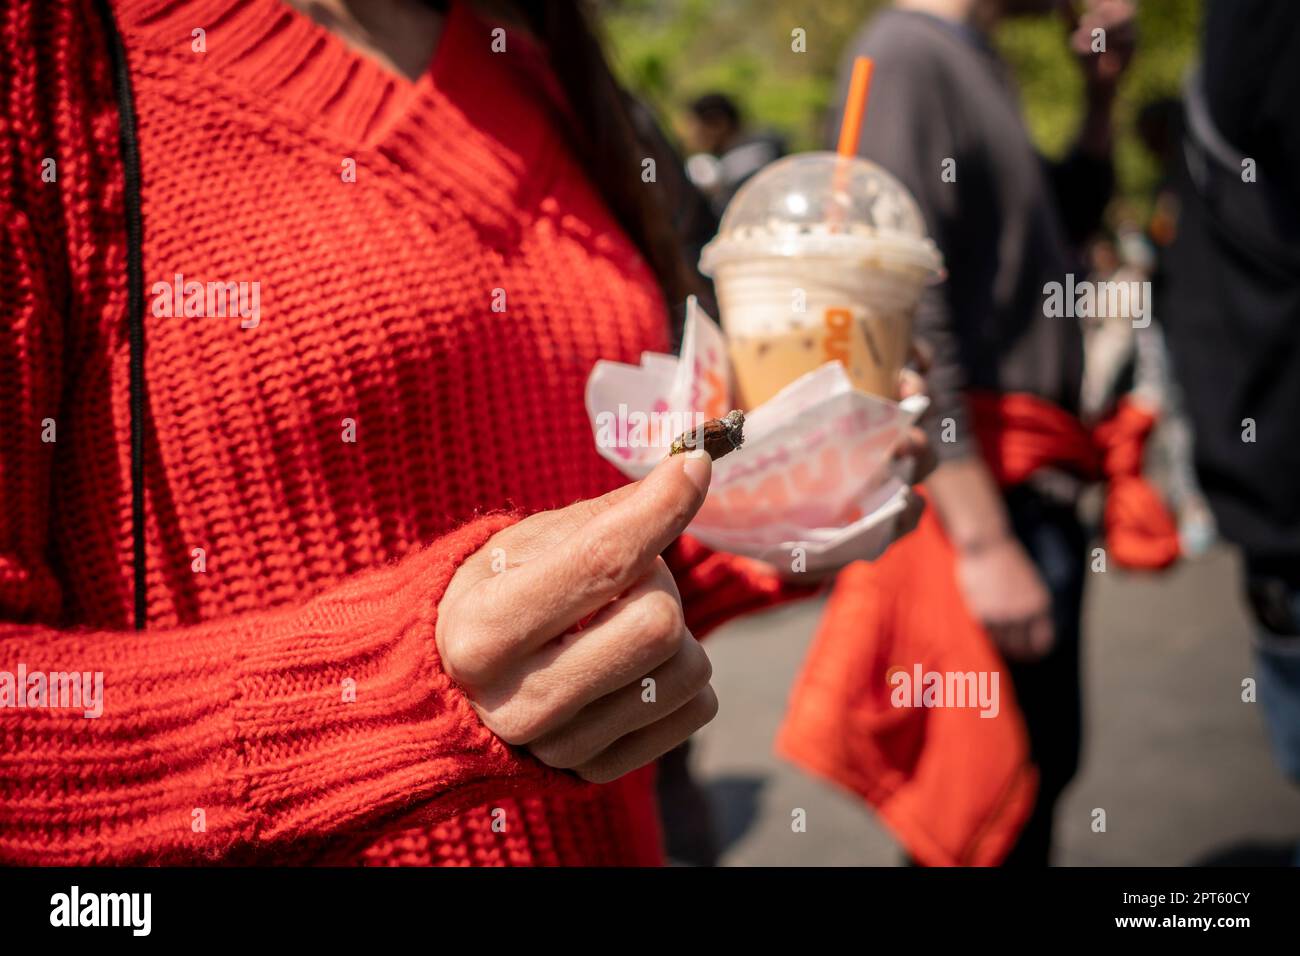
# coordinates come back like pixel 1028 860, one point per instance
pixel 945 120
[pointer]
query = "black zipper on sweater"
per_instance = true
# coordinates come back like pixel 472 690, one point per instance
pixel 134 294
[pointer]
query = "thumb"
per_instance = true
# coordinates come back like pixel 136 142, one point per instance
pixel 542 531
pixel 649 514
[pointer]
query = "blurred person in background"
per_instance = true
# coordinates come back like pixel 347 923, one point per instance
pixel 944 117
pixel 723 152
pixel 1160 129
pixel 1232 302
pixel 1126 357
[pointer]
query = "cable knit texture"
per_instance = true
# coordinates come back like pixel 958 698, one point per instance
pixel 287 563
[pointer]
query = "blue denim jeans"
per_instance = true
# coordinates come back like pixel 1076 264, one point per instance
pixel 1278 658
pixel 1048 690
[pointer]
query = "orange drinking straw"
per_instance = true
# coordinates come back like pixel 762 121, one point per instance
pixel 855 107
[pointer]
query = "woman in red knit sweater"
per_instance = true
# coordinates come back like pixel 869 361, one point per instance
pixel 329 665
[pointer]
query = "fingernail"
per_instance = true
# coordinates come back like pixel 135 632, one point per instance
pixel 698 467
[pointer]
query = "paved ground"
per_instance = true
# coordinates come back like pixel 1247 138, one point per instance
pixel 1179 763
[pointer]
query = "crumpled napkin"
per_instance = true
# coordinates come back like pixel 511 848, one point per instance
pixel 813 487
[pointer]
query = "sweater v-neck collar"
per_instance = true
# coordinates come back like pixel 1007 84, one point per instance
pixel 283 53
pixel 467 119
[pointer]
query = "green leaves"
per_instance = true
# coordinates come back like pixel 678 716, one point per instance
pixel 669 51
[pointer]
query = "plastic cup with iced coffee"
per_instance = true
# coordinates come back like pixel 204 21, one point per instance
pixel 820 257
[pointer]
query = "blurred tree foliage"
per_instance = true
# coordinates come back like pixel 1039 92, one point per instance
pixel 669 51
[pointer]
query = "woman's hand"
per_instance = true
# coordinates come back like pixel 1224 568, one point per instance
pixel 628 686
pixel 917 457
pixel 915 446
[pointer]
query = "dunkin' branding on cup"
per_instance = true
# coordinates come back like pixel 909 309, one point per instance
pixel 819 259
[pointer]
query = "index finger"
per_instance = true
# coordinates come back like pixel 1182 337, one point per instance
pixel 611 547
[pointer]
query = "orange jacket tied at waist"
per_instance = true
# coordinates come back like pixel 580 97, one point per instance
pixel 954 783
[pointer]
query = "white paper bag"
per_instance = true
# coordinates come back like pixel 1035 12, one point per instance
pixel 814 485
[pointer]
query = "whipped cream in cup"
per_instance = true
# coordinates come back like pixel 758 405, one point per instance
pixel 820 258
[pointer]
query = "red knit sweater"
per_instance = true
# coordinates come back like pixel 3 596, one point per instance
pixel 227 730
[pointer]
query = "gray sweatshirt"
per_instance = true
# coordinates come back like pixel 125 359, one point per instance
pixel 942 100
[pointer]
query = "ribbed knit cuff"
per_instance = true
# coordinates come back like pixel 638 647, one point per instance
pixel 345 716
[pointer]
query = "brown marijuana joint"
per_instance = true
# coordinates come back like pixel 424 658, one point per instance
pixel 718 437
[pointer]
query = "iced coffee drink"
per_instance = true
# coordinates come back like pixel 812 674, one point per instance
pixel 819 258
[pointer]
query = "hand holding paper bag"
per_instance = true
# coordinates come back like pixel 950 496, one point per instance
pixel 815 485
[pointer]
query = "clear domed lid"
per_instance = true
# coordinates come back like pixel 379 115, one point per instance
pixel 823 204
